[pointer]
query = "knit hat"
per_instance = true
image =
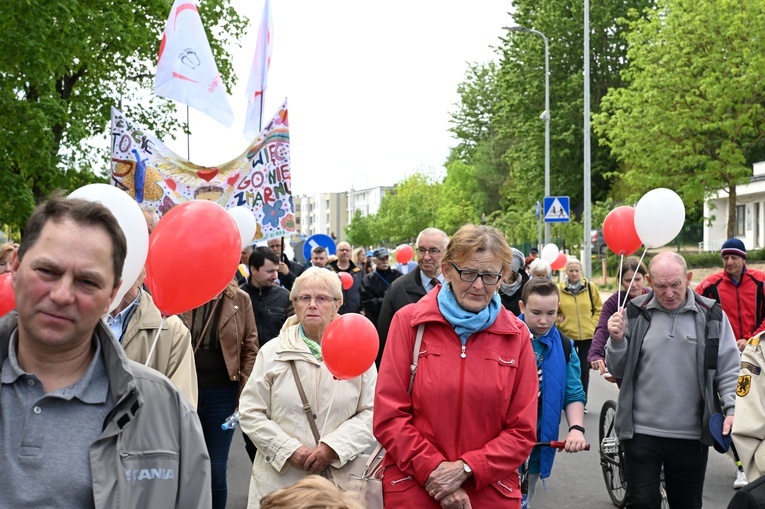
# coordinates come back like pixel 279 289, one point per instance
pixel 518 261
pixel 733 247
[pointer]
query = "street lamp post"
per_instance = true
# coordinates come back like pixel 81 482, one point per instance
pixel 545 115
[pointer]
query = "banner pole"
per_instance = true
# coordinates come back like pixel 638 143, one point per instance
pixel 188 136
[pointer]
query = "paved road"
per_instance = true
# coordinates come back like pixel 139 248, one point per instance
pixel 576 482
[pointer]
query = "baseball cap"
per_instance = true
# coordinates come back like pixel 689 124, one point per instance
pixel 380 253
pixel 722 442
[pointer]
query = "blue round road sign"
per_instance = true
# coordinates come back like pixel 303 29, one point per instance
pixel 318 240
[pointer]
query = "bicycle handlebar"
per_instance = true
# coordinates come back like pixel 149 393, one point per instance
pixel 555 444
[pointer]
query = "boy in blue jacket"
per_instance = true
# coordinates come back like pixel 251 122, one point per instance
pixel 560 386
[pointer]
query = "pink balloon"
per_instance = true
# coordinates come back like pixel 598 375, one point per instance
pixel 619 231
pixel 349 346
pixel 7 296
pixel 404 254
pixel 346 279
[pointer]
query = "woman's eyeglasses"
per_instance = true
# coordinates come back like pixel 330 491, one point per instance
pixel 469 276
pixel 321 300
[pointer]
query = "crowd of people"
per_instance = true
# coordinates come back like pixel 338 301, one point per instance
pixel 481 354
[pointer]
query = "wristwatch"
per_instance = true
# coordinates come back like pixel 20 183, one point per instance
pixel 466 468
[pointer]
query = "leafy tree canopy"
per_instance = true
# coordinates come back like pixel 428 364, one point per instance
pixel 63 66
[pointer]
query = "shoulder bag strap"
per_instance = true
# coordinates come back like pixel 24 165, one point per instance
pixel 306 406
pixel 416 355
pixel 209 320
pixel 371 464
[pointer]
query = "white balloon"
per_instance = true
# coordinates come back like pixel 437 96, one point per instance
pixel 659 217
pixel 246 222
pixel 550 253
pixel 133 224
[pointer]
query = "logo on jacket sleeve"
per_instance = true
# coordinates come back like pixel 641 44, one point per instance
pixel 146 474
pixel 744 384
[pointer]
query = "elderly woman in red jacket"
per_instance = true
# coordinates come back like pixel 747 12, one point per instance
pixel 470 421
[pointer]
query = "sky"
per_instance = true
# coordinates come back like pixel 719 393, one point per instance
pixel 370 86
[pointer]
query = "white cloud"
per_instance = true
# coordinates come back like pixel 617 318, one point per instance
pixel 370 86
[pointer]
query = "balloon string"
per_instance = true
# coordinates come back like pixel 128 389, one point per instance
pixel 329 410
pixel 633 277
pixel 154 344
pixel 619 282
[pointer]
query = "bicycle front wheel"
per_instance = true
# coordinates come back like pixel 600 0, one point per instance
pixel 611 455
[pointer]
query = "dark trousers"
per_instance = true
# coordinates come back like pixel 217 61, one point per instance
pixel 249 447
pixel 582 349
pixel 213 408
pixel 684 462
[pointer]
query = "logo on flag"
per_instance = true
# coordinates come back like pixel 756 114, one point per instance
pixel 256 86
pixel 186 69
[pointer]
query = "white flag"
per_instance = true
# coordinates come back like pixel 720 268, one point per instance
pixel 186 70
pixel 256 86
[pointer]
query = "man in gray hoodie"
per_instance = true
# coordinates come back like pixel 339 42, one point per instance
pixel 663 348
pixel 81 425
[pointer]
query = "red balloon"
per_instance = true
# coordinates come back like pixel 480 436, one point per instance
pixel 349 346
pixel 194 252
pixel 7 296
pixel 619 231
pixel 404 254
pixel 559 262
pixel 346 279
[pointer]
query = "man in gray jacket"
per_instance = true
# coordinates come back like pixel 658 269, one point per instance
pixel 81 425
pixel 677 357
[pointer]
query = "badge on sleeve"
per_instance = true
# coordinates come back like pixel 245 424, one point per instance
pixel 744 384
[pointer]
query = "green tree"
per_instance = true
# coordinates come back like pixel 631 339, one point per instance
pixel 459 196
pixel 63 65
pixel 409 209
pixel 361 231
pixel 692 117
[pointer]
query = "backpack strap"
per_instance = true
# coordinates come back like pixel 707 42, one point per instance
pixel 565 342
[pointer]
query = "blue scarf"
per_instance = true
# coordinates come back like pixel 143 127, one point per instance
pixel 465 322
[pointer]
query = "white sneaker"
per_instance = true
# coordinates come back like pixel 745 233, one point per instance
pixel 740 481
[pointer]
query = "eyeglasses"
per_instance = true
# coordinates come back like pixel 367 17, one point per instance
pixel 469 276
pixel 432 251
pixel 321 300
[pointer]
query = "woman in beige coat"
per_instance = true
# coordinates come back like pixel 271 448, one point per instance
pixel 271 408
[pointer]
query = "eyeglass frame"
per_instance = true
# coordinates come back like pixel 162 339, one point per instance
pixel 433 251
pixel 478 274
pixel 321 300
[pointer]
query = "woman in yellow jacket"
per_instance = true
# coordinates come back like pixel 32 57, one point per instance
pixel 580 307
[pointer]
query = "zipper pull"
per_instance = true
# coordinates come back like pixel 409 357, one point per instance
pixel 463 354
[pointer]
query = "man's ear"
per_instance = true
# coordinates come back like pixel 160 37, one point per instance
pixel 112 295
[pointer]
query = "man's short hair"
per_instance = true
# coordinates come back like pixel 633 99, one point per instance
pixel 85 213
pixel 542 286
pixel 260 255
pixel 318 250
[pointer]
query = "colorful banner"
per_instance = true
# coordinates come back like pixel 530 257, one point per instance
pixel 258 179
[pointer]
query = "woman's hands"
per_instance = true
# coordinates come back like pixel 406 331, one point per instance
pixel 456 500
pixel 445 480
pixel 313 460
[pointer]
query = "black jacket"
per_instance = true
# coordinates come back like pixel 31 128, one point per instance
pixel 352 297
pixel 374 286
pixel 271 306
pixel 510 302
pixel 287 280
pixel 405 290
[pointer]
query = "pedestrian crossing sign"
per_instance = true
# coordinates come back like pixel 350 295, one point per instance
pixel 557 209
